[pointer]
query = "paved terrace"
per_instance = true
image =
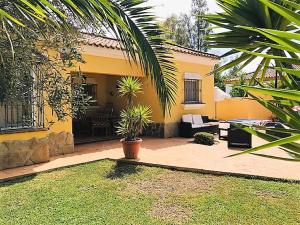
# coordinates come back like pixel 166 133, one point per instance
pixel 175 153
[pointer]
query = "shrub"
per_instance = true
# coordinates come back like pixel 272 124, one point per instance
pixel 204 138
pixel 134 118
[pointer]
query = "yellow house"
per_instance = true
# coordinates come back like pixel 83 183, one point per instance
pixel 105 65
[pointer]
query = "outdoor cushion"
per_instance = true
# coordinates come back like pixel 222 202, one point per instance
pixel 213 123
pixel 198 126
pixel 224 125
pixel 197 119
pixel 187 118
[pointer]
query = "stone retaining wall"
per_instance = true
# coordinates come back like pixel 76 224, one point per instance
pixel 154 130
pixel 36 150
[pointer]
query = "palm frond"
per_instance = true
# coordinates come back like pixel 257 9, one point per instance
pixel 129 20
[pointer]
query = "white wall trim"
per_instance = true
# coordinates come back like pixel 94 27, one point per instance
pixel 193 106
pixel 192 76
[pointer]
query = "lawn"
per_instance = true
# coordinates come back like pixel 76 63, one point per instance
pixel 109 193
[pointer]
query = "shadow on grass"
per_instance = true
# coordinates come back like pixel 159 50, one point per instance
pixel 17 180
pixel 121 170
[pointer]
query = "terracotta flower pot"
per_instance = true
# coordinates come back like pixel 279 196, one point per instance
pixel 131 148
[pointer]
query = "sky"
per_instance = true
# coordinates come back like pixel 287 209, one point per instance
pixel 165 8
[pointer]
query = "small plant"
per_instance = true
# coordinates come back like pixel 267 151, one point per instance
pixel 204 138
pixel 134 118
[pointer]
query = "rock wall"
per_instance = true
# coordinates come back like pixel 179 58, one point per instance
pixel 154 130
pixel 172 130
pixel 36 150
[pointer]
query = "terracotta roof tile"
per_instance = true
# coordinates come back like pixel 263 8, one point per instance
pixel 105 42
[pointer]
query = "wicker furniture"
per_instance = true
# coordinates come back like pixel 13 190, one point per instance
pixel 276 133
pixel 239 138
pixel 192 124
pixel 223 130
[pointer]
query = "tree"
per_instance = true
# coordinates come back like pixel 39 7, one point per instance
pixel 199 9
pixel 219 78
pixel 265 30
pixel 189 30
pixel 129 21
pixel 32 71
pixel 177 29
pixel 235 72
pixel 236 91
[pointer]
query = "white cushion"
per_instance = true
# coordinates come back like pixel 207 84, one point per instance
pixel 197 126
pixel 213 123
pixel 197 119
pixel 187 118
pixel 224 125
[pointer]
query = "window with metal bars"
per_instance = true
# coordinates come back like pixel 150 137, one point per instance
pixel 26 112
pixel 192 91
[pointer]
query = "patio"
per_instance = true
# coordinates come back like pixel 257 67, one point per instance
pixel 177 153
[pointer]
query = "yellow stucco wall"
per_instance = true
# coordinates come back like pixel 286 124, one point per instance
pixel 207 93
pixel 49 116
pixel 113 69
pixel 106 69
pixel 57 127
pixel 107 65
pixel 241 108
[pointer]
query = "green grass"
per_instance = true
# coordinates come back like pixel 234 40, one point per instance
pixel 109 193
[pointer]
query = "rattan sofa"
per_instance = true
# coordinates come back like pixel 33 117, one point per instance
pixel 192 124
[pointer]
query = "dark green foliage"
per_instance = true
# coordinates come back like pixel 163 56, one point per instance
pixel 236 91
pixel 189 30
pixel 135 117
pixel 37 75
pixel 267 32
pixel 204 138
pixel 219 78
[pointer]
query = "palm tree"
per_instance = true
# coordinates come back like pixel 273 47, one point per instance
pixel 129 20
pixel 268 31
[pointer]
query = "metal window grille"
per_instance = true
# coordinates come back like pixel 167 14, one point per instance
pixel 192 91
pixel 26 113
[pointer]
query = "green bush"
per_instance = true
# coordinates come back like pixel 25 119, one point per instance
pixel 204 138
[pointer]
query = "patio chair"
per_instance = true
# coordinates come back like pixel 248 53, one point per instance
pixel 192 124
pixel 276 133
pixel 239 138
pixel 101 122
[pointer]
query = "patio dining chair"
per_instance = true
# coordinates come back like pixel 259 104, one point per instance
pixel 101 122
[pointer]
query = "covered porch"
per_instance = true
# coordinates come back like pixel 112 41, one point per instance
pixel 102 115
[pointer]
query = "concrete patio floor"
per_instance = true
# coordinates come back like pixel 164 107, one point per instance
pixel 177 153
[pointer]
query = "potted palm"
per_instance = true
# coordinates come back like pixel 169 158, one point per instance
pixel 133 119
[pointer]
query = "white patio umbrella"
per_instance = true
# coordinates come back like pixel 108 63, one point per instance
pixel 219 96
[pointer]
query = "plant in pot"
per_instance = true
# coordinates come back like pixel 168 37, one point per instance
pixel 133 119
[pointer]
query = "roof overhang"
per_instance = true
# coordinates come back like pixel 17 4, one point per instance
pixel 119 54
